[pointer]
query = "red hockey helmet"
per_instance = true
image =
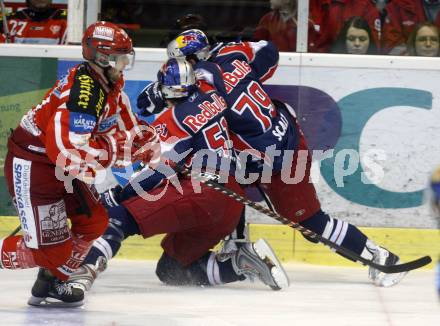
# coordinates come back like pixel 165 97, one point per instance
pixel 107 45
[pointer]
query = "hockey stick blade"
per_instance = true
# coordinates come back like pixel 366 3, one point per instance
pixel 401 268
pixel 211 181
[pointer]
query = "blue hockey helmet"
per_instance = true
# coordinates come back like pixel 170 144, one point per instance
pixel 176 78
pixel 190 42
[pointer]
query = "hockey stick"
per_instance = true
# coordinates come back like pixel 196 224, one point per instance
pixel 18 228
pixel 210 180
pixel 266 200
pixel 5 22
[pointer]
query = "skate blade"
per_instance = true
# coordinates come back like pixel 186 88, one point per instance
pixel 263 249
pixel 52 303
pixel 389 280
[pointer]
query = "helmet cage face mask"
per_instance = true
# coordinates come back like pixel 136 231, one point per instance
pixel 176 79
pixel 190 42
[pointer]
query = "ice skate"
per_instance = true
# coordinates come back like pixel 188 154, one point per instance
pixel 384 257
pixel 87 274
pixel 48 291
pixel 257 259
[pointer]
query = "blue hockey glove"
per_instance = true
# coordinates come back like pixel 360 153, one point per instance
pixel 150 101
pixel 110 197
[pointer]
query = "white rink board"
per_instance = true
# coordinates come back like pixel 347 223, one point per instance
pixel 408 135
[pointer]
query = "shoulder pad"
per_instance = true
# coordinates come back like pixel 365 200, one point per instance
pixel 86 94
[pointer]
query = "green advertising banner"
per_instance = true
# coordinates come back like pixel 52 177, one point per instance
pixel 24 83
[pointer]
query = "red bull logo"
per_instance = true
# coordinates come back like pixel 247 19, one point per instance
pixel 183 40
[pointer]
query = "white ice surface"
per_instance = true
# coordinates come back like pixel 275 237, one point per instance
pixel 128 293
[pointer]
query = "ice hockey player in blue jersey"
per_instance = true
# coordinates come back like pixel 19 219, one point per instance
pixel 193 134
pixel 266 132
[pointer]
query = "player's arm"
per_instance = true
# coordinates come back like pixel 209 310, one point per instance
pixel 263 56
pixel 266 59
pixel 209 76
pixel 176 144
pixel 71 141
pixel 145 136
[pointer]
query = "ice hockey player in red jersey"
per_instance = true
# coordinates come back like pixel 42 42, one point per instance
pixel 39 23
pixel 268 130
pixel 194 133
pixel 84 124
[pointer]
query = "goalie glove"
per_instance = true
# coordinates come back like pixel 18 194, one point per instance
pixel 150 101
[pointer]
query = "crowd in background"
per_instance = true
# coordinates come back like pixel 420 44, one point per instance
pixel 396 27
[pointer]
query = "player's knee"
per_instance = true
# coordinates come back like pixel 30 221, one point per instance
pixel 100 221
pixel 95 225
pixel 56 255
pixel 171 272
pixel 228 221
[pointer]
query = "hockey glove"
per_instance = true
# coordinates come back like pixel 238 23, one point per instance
pixel 150 101
pixel 146 145
pixel 119 148
pixel 110 197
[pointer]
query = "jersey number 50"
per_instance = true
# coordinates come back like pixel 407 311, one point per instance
pixel 217 137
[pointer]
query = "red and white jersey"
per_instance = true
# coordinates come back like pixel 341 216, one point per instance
pixel 28 26
pixel 71 116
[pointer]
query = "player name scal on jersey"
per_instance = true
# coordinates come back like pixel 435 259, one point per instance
pixel 242 69
pixel 208 111
pixel 104 33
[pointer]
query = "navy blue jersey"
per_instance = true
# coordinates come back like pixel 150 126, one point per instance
pixel 193 133
pixel 255 122
pixel 209 74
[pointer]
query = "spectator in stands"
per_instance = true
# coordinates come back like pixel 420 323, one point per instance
pixel 355 38
pixel 280 26
pixel 336 12
pixel 404 15
pixel 424 40
pixel 39 23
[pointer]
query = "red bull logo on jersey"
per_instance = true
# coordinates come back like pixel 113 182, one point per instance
pixel 208 110
pixel 231 79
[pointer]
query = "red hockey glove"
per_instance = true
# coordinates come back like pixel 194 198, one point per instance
pixel 119 149
pixel 146 144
